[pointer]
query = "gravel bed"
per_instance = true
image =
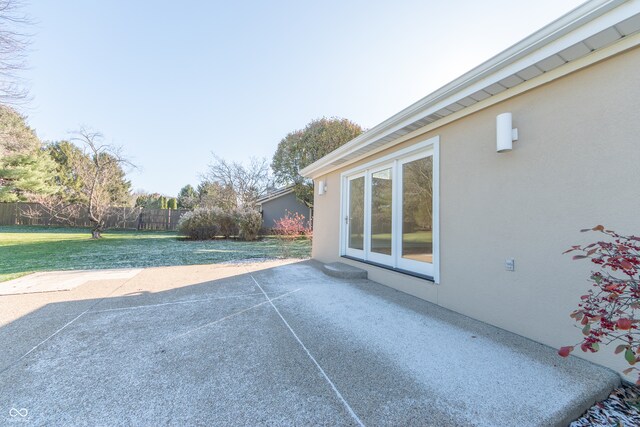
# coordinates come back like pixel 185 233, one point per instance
pixel 622 408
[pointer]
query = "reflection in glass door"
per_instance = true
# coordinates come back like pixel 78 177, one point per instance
pixel 417 210
pixel 382 211
pixel 416 204
pixel 390 211
pixel 355 218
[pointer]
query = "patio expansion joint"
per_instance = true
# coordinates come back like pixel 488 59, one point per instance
pixel 163 304
pixel 313 359
pixel 69 323
pixel 237 313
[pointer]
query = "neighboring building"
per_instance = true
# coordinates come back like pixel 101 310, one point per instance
pixel 432 202
pixel 275 205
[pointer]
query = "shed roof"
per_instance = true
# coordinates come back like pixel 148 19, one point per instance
pixel 275 194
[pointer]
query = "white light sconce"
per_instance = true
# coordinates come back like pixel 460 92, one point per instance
pixel 505 132
pixel 322 187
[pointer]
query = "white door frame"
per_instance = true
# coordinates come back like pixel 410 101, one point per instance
pixel 345 220
pixel 370 255
pixel 426 148
pixel 404 263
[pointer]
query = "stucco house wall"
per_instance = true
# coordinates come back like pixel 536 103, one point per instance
pixel 575 165
pixel 276 208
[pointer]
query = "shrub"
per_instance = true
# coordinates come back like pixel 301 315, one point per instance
pixel 172 204
pixel 289 228
pixel 292 225
pixel 249 222
pixel 227 222
pixel 207 223
pixel 199 224
pixel 606 312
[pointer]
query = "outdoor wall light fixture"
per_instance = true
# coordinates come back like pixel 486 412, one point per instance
pixel 322 187
pixel 505 132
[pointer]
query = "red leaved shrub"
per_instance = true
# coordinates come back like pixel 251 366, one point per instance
pixel 607 312
pixel 292 225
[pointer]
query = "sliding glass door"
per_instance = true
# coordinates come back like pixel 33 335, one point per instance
pixel 389 211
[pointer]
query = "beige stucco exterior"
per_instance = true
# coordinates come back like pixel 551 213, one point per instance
pixel 576 164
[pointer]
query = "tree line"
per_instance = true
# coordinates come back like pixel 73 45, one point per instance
pixel 232 184
pixel 64 177
pixel 85 173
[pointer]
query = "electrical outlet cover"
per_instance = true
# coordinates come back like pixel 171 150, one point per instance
pixel 510 264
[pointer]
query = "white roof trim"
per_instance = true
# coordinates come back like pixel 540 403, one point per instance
pixel 275 195
pixel 518 64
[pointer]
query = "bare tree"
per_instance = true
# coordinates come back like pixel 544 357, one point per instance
pixel 249 183
pixel 13 46
pixel 212 194
pixel 100 173
pixel 52 209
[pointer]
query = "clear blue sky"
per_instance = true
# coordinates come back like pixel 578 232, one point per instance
pixel 173 81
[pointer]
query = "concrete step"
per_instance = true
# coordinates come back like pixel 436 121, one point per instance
pixel 344 271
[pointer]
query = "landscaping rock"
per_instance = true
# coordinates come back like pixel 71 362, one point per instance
pixel 620 409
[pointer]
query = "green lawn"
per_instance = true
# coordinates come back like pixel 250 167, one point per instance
pixel 27 249
pixel 417 236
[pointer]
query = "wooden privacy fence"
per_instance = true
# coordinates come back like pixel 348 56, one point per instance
pixel 118 217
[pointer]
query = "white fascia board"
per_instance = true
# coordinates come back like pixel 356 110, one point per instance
pixel 577 25
pixel 275 196
pixel 624 44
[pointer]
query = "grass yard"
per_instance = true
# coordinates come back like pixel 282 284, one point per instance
pixel 417 236
pixel 25 250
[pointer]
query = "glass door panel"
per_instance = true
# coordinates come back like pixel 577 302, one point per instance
pixel 381 212
pixel 416 245
pixel 355 218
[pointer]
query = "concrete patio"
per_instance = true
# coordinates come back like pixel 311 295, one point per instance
pixel 272 344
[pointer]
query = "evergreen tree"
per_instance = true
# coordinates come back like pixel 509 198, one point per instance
pixel 25 175
pixel 187 197
pixel 16 137
pixel 66 155
pixel 25 169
